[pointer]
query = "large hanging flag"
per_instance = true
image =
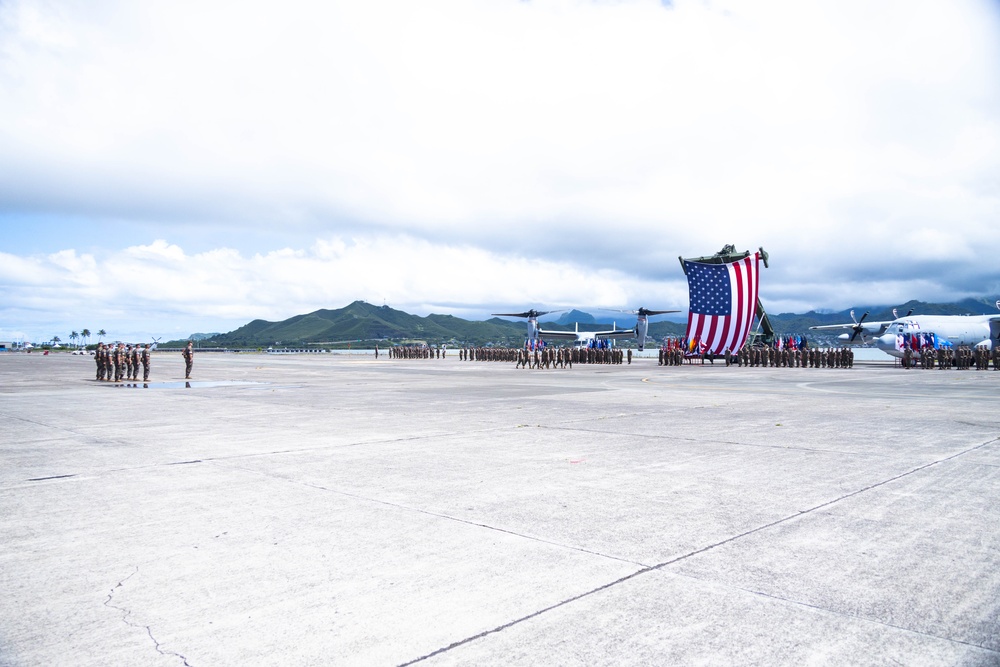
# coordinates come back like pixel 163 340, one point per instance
pixel 723 302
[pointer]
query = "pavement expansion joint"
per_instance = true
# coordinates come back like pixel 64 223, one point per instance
pixel 841 614
pixel 659 436
pixel 44 479
pixel 665 564
pixel 126 613
pixel 534 614
pixel 468 522
pixel 820 506
pixel 975 424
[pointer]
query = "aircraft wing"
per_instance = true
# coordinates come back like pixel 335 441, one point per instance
pixel 577 335
pixel 867 326
pixel 614 333
pixel 559 335
pixel 610 333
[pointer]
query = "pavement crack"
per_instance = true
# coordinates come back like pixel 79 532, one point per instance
pixel 126 613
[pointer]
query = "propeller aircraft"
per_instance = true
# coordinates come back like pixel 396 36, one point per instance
pixel 954 330
pixel 859 328
pixel 536 333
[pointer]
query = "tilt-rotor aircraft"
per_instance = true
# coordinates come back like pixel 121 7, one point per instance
pixel 536 333
pixel 951 330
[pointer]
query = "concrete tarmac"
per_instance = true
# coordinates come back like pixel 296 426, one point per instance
pixel 332 510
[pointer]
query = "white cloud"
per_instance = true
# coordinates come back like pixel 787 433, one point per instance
pixel 222 286
pixel 440 115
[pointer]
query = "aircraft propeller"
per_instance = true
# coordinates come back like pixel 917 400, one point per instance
pixel 528 313
pixel 645 312
pixel 858 328
pixel 642 323
pixel 895 315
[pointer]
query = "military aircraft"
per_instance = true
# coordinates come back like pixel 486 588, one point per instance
pixel 535 332
pixel 953 330
pixel 859 328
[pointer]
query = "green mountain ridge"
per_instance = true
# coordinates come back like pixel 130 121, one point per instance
pixel 362 324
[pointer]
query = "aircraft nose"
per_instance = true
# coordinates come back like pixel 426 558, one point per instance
pixel 886 341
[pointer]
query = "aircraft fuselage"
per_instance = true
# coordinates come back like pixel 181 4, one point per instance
pixel 971 330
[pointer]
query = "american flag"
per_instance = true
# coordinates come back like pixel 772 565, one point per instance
pixel 723 302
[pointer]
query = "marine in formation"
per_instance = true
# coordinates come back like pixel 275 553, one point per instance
pixel 120 362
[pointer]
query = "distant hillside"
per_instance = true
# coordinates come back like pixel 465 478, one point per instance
pixel 362 324
pixel 569 318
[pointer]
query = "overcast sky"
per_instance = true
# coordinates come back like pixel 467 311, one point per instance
pixel 176 167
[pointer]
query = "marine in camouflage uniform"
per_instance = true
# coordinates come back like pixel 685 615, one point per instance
pixel 119 362
pixel 146 359
pixel 135 361
pixel 99 360
pixel 188 355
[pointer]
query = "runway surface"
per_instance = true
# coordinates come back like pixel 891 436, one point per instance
pixel 320 509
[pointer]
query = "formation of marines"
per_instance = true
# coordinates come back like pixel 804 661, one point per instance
pixel 120 362
pixel 416 352
pixel 805 357
pixel 961 358
pixel 676 351
pixel 545 356
pixel 488 353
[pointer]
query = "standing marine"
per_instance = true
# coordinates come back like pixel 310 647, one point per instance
pixel 99 359
pixel 188 355
pixel 135 361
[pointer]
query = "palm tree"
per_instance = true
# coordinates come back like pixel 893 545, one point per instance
pixel 85 334
pixel 73 336
pixel 101 333
pixel 55 340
